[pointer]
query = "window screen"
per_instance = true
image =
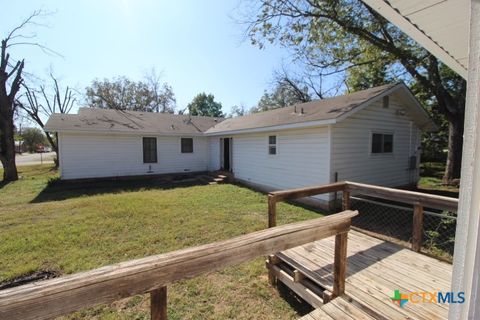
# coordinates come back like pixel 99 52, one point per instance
pixel 382 143
pixel 149 150
pixel 272 144
pixel 187 145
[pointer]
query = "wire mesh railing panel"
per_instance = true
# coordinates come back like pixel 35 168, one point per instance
pixel 439 233
pixel 382 219
pixel 391 221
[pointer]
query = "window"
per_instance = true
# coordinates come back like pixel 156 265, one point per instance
pixel 386 102
pixel 187 145
pixel 149 150
pixel 382 143
pixel 272 144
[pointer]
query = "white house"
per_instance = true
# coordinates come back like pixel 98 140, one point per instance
pixel 370 136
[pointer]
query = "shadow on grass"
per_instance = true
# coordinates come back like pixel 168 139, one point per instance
pixel 3 183
pixel 432 169
pixel 62 190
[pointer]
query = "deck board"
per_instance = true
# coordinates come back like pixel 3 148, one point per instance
pixel 375 269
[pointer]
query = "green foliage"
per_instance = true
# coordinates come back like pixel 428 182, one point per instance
pixel 440 234
pixel 122 93
pixel 205 105
pixel 238 111
pixel 33 137
pixel 283 95
pixel 330 34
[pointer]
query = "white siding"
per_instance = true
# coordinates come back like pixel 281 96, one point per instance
pixel 92 156
pixel 214 153
pixel 351 146
pixel 302 158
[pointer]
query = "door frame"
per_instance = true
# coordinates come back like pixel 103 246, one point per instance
pixel 230 153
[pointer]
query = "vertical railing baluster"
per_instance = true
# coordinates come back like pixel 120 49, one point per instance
pixel 417 228
pixel 346 199
pixel 158 304
pixel 272 211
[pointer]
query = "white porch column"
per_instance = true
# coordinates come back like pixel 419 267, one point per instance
pixel 466 261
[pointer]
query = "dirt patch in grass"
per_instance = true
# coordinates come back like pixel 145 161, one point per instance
pixel 28 278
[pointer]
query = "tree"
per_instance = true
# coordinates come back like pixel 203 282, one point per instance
pixel 51 104
pixel 238 111
pixel 32 137
pixel 122 93
pixel 335 37
pixel 205 105
pixel 286 92
pixel 10 82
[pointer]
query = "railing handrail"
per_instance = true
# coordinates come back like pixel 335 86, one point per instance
pixel 407 196
pixel 413 197
pixel 307 191
pixel 55 297
pixel 419 200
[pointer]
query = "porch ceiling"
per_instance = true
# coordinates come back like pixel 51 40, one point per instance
pixel 440 26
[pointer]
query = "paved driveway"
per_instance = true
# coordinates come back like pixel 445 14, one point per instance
pixel 28 159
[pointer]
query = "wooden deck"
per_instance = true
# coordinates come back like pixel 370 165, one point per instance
pixel 375 270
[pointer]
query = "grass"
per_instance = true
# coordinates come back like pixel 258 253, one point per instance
pixel 431 179
pixel 69 228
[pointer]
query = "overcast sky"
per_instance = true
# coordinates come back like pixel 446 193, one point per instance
pixel 195 44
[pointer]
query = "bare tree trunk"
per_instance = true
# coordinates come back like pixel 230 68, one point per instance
pixel 455 146
pixel 53 143
pixel 7 147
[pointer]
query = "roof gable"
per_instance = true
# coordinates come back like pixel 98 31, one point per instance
pixel 322 112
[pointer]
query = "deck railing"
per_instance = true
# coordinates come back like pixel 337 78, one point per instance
pixel 417 199
pixel 56 297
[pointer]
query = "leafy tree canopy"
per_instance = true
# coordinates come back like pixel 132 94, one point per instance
pixel 238 111
pixel 33 137
pixel 285 93
pixel 124 94
pixel 205 105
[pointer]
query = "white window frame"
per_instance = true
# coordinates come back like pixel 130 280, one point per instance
pixel 381 154
pixel 272 145
pixel 193 145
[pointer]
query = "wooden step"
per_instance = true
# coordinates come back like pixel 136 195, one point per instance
pixel 344 307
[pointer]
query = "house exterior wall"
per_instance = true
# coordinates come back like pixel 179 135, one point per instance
pixel 351 146
pixel 85 155
pixel 214 153
pixel 302 159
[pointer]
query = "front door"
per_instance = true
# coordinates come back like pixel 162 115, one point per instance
pixel 226 154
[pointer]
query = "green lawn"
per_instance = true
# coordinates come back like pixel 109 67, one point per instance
pixel 75 227
pixel 431 174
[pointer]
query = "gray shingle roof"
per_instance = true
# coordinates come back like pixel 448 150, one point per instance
pixel 316 110
pixel 109 120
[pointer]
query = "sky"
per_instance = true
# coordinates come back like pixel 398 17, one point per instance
pixel 197 46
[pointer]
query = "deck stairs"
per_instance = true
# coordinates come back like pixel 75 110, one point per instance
pixel 217 177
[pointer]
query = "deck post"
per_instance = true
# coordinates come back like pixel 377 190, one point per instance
pixel 417 228
pixel 340 264
pixel 158 304
pixel 345 199
pixel 272 260
pixel 272 211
